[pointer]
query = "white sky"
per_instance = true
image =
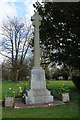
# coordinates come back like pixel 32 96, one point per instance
pixel 5 10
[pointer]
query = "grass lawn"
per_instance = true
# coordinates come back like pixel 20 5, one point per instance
pixel 69 110
pixel 6 85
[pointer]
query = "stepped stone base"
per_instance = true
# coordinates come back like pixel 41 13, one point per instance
pixel 38 92
pixel 38 96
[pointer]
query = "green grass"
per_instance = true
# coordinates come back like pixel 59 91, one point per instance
pixel 53 84
pixel 64 111
pixel 69 110
pixel 6 85
pixel 0 90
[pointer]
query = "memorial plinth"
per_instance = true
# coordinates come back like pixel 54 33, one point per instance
pixel 37 90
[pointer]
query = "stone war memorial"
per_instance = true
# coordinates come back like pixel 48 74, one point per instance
pixel 37 93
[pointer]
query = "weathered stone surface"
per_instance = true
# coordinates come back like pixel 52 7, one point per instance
pixel 39 99
pixel 65 97
pixel 9 101
pixel 37 78
pixel 36 22
pixel 38 92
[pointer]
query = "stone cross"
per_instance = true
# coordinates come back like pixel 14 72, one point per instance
pixel 37 92
pixel 36 23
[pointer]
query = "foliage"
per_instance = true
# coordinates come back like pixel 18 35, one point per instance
pixel 21 88
pixel 64 72
pixel 63 76
pixel 22 72
pixel 60 32
pixel 18 91
pixel 62 89
pixel 76 81
pixel 10 93
pixel 16 41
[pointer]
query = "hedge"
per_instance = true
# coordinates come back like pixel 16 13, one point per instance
pixel 76 81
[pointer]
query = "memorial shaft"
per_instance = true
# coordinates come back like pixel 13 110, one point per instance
pixel 36 21
pixel 36 46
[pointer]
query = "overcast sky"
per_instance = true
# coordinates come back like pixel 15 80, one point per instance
pixel 18 8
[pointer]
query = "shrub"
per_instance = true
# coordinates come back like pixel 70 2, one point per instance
pixel 76 81
pixel 18 91
pixel 10 93
pixel 62 89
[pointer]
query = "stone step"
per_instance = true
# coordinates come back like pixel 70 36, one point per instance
pixel 39 99
pixel 38 92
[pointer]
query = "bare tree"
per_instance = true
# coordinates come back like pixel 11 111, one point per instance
pixel 17 35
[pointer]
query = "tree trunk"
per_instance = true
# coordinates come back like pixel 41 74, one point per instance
pixel 16 77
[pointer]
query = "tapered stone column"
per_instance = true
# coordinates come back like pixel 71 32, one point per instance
pixel 36 23
pixel 37 92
